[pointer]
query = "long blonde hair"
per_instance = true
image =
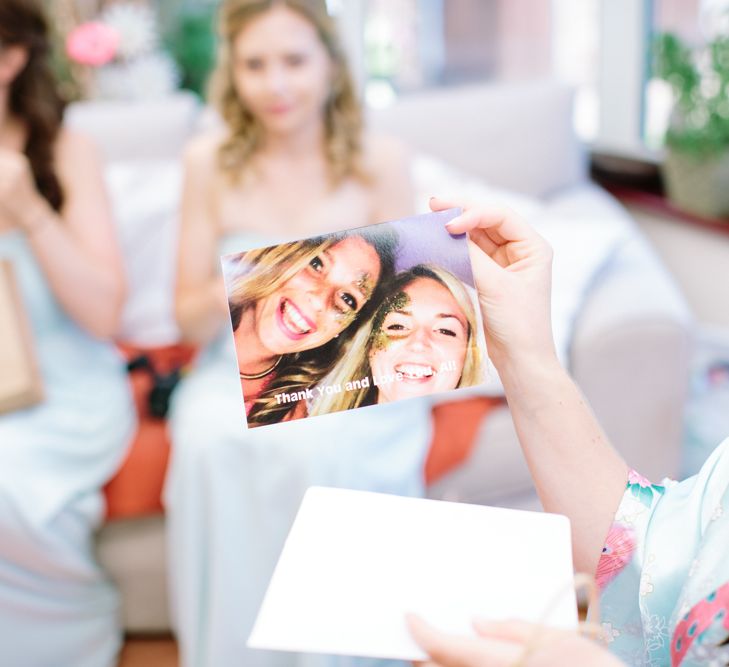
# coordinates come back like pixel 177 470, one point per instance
pixel 259 273
pixel 342 114
pixel 354 363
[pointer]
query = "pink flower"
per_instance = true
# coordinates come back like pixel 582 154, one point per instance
pixel 92 44
pixel 636 478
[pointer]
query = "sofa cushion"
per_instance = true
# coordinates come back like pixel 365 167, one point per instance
pixel 136 489
pixel 150 130
pixel 518 136
pixel 145 196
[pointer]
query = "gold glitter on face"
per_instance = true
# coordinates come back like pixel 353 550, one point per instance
pixel 344 319
pixel 365 284
pixel 380 339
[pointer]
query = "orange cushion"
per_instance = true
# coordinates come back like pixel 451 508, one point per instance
pixel 455 425
pixel 136 489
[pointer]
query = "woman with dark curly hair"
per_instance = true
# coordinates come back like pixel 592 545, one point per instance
pixel 56 606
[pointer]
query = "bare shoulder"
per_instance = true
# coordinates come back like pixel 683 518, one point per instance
pixel 202 150
pixel 74 148
pixel 78 162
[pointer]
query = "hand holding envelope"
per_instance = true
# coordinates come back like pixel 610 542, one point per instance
pixel 509 644
pixel 356 564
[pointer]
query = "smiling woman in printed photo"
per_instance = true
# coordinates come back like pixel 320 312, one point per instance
pixel 422 340
pixel 293 308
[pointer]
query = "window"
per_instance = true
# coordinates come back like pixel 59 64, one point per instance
pixel 413 44
pixel 683 18
pixel 602 47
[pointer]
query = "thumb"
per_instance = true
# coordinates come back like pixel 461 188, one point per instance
pixel 456 651
pixel 486 271
pixel 519 632
pixel 445 650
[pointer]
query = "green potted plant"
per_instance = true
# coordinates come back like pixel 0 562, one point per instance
pixel 696 168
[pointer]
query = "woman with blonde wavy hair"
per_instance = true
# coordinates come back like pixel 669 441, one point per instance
pixel 292 308
pixel 421 340
pixel 290 160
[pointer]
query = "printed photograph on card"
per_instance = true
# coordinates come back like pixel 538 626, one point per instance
pixel 357 318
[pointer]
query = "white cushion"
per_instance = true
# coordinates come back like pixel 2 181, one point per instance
pixel 153 129
pixel 145 198
pixel 516 136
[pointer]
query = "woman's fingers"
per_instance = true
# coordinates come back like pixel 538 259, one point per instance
pixel 452 651
pixel 501 224
pixel 487 271
pixel 515 631
pixel 438 204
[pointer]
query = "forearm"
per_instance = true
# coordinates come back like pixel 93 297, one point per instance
pixel 91 294
pixel 575 469
pixel 201 311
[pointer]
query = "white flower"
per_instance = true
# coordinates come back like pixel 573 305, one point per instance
pixel 136 26
pixel 717 513
pixel 150 77
pixel 153 76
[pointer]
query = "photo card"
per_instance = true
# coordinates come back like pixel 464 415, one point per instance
pixel 356 318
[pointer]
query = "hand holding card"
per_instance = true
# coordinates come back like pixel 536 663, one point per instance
pixel 372 315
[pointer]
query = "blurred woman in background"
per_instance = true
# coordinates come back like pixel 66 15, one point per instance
pixel 291 162
pixel 56 606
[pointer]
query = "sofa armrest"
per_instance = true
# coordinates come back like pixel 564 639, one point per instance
pixel 630 355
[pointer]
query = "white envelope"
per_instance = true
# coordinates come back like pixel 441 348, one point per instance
pixel 356 562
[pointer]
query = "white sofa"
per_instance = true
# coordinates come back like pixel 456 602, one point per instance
pixel 632 335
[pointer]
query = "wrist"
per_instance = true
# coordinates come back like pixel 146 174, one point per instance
pixel 36 218
pixel 530 377
pixel 525 361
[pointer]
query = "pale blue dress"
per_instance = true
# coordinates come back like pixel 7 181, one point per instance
pixel 232 494
pixel 665 570
pixel 57 608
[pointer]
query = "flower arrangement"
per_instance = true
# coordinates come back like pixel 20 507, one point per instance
pixel 121 54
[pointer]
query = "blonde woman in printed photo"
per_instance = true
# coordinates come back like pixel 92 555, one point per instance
pixel 421 340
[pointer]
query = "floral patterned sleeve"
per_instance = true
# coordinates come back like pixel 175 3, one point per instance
pixel 664 570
